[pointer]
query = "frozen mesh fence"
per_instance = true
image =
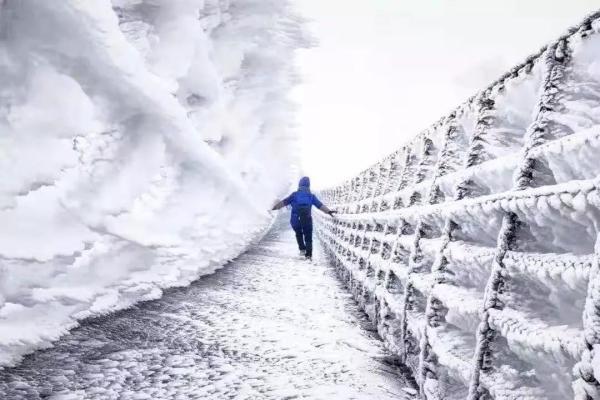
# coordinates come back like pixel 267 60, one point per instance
pixel 473 247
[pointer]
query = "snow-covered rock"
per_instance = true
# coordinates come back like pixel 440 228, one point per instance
pixel 141 142
pixel 474 247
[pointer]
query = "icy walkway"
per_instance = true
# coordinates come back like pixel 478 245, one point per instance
pixel 268 326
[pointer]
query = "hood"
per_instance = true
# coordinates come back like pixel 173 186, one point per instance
pixel 304 183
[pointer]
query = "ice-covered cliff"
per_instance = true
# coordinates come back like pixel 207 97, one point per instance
pixel 140 143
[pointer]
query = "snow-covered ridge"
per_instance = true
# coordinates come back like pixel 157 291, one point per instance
pixel 140 143
pixel 475 247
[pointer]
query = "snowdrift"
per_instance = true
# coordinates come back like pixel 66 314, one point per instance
pixel 475 247
pixel 140 143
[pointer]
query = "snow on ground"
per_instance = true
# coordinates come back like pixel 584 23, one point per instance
pixel 140 143
pixel 475 247
pixel 268 326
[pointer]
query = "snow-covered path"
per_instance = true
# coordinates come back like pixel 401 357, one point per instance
pixel 267 326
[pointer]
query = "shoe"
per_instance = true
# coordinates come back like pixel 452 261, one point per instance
pixel 302 253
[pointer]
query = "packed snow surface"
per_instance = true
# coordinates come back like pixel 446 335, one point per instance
pixel 268 326
pixel 140 143
pixel 475 247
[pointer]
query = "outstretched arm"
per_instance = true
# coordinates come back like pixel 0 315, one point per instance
pixel 285 202
pixel 326 210
pixel 317 203
pixel 278 205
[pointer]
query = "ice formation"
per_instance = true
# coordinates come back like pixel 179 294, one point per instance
pixel 140 143
pixel 473 247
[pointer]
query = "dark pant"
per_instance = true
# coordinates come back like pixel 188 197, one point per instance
pixel 302 224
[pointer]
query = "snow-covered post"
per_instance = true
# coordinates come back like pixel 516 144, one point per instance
pixel 414 175
pixel 383 189
pixel 484 119
pixel 392 182
pixel 333 196
pixel 396 166
pixel 427 157
pixel 368 200
pixel 336 194
pixel 377 173
pixel 427 365
pixel 586 386
pixel 356 188
pixel 555 59
pixel 381 184
pixel 355 196
pixel 393 174
pixel 365 193
pixel 400 173
pixel 416 264
pixel 366 181
pixel 385 176
pixel 373 175
pixel 408 171
pixel 349 195
pixel 340 194
pixel 403 178
pixel 476 155
pixel 361 188
pixel 344 197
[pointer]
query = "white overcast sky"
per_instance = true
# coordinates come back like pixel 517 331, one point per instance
pixel 386 69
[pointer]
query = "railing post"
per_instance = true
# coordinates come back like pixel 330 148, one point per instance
pixel 555 60
pixel 474 156
pixel 415 264
pixel 404 177
pixel 586 386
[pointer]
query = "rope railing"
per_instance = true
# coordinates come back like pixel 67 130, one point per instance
pixel 473 247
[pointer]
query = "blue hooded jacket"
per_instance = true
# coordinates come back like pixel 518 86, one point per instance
pixel 302 198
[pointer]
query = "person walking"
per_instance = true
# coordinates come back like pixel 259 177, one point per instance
pixel 302 201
